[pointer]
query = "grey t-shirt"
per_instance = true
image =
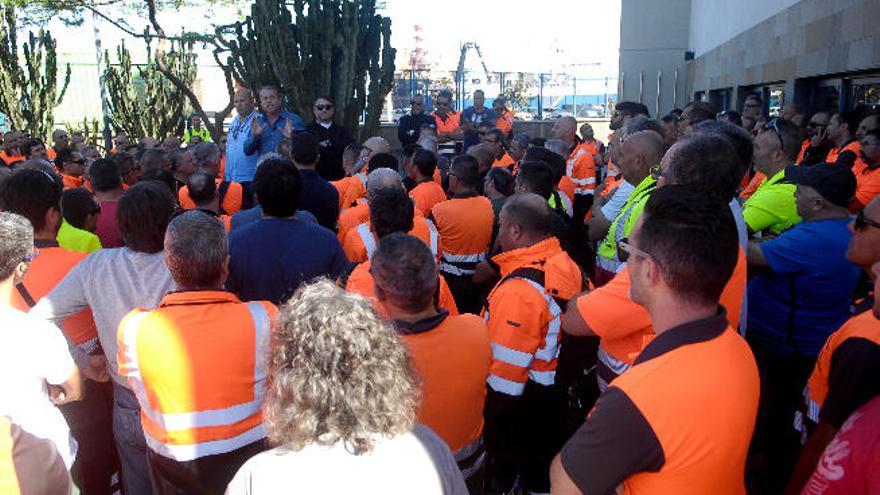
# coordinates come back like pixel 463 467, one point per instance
pixel 111 282
pixel 415 462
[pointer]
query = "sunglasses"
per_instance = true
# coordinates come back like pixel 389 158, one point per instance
pixel 862 221
pixel 625 249
pixel 773 124
pixel 323 107
pixel 815 125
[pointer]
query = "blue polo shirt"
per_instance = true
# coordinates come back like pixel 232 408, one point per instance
pixel 270 258
pixel 472 138
pixel 267 141
pixel 807 293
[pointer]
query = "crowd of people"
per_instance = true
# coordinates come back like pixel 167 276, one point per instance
pixel 687 308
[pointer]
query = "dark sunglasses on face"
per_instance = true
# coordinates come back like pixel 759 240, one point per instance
pixel 862 221
pixel 323 107
pixel 774 125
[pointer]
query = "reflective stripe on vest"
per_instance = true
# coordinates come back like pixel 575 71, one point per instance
pixel 460 264
pixel 367 238
pixel 434 236
pixel 202 419
pixel 521 359
pixel 812 413
pixel 582 185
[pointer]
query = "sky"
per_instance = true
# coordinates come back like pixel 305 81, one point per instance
pixel 569 35
pixel 578 37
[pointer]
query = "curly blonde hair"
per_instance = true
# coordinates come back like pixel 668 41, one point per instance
pixel 338 372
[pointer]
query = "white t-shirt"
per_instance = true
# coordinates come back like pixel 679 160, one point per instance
pixel 415 462
pixel 34 353
pixel 618 199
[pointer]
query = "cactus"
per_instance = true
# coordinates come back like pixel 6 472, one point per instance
pixel 29 92
pixel 340 48
pixel 157 108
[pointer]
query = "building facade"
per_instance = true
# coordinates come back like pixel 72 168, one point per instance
pixel 820 54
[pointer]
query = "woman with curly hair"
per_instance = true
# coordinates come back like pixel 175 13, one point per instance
pixel 340 407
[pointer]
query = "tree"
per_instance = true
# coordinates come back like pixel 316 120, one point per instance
pixel 152 106
pixel 29 89
pixel 340 48
pixel 518 93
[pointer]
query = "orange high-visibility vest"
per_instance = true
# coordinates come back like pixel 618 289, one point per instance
pixel 581 169
pixel 197 366
pixel 465 227
pixel 360 242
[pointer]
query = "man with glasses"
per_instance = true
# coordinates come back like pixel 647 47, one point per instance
pixel 817 134
pixel 867 170
pixel 60 141
pixel 410 126
pixel 799 295
pixel 448 123
pixel 771 209
pixel 681 255
pixel 847 371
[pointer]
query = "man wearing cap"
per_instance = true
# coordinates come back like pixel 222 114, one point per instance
pixel 799 295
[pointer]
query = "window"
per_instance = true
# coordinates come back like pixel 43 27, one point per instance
pixel 865 91
pixel 721 99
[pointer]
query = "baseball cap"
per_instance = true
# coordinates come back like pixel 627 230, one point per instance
pixel 835 183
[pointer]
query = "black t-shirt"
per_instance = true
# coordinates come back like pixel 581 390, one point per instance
pixel 853 380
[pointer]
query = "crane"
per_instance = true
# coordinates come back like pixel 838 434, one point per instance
pixel 459 73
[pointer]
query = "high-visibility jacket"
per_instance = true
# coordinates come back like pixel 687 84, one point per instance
pixel 448 124
pixel 611 183
pixel 72 182
pixel 465 227
pixel 834 154
pixel 753 185
pixel 45 271
pixel 360 242
pixel 10 159
pixel 426 195
pixel 505 161
pixel 451 355
pixel 359 281
pixel 505 121
pixel 201 132
pixel 864 326
pixel 624 327
pixel 581 169
pixel 230 197
pixel 197 366
pixel 566 186
pixel 524 315
pixel 867 185
pixel 804 146
pixel 622 225
pixel 357 189
pixel 352 217
pixel 341 186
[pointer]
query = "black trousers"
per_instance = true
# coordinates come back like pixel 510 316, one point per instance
pixel 207 475
pixel 776 444
pixel 522 436
pixel 91 424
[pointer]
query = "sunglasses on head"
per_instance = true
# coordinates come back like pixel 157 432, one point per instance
pixel 774 125
pixel 323 107
pixel 862 221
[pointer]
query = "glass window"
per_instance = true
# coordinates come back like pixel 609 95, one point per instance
pixel 775 99
pixel 826 97
pixel 866 92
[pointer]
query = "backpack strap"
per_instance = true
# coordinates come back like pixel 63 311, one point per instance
pixel 25 294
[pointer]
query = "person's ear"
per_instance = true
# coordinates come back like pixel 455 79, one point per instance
pixel 53 218
pixel 19 272
pixel 651 272
pixel 224 271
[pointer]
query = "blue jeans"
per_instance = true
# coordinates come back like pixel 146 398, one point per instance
pixel 130 442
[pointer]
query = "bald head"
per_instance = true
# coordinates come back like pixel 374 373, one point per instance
pixel 649 143
pixel 528 213
pixel 377 144
pixel 565 128
pixel 383 179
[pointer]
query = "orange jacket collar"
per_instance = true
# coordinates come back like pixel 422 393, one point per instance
pixel 198 297
pixel 535 254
